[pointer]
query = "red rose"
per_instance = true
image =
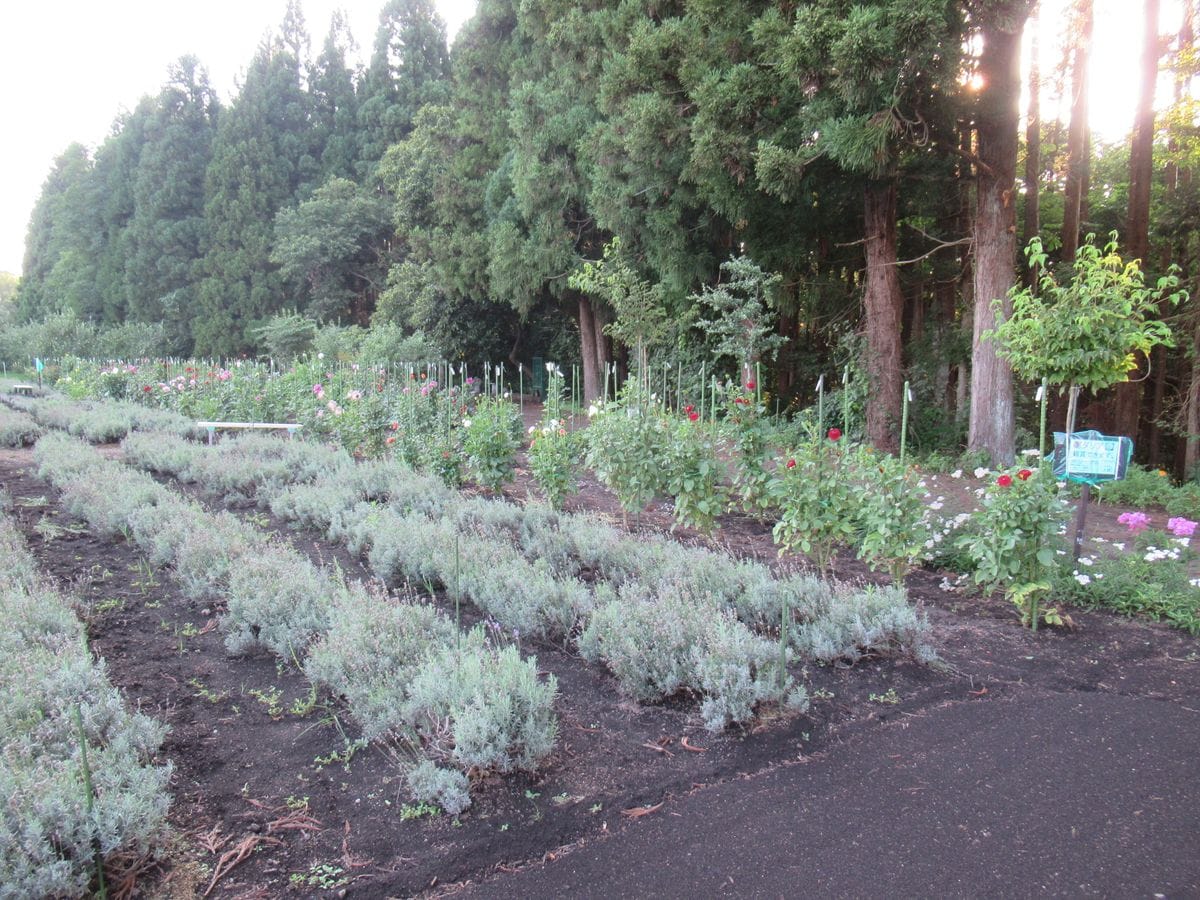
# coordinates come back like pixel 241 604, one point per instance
pixel 791 464
pixel 391 440
pixel 750 385
pixel 1024 474
pixel 688 408
pixel 1004 481
pixel 146 389
pixel 693 416
pixel 835 434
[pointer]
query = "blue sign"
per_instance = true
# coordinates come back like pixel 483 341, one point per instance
pixel 1091 457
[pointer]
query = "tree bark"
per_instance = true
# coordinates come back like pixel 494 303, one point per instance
pixel 591 349
pixel 1033 155
pixel 992 424
pixel 1191 450
pixel 1078 161
pixel 1128 400
pixel 885 310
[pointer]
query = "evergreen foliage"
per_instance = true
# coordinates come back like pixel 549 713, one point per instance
pixel 456 192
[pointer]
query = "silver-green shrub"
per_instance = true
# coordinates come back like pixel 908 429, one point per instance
pixel 17 429
pixel 410 547
pixel 447 788
pixel 660 642
pixel 59 456
pixel 48 837
pixel 159 529
pixel 281 601
pixel 101 423
pixel 520 594
pixel 854 622
pixel 481 706
pixel 209 555
pixel 160 452
pixel 761 604
pixel 372 650
pixel 316 504
pixel 107 503
pixel 543 536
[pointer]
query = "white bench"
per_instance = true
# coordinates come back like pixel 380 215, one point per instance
pixel 23 389
pixel 212 427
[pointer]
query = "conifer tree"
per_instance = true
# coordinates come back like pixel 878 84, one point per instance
pixel 262 159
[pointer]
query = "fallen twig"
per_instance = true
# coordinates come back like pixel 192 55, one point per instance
pixel 638 811
pixel 230 858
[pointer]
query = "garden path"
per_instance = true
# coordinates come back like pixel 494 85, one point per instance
pixel 1038 793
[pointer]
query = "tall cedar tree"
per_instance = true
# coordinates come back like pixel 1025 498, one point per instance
pixel 1137 232
pixel 334 102
pixel 873 72
pixel 443 178
pixel 56 240
pixel 1078 135
pixel 167 232
pixel 991 429
pixel 262 156
pixel 410 67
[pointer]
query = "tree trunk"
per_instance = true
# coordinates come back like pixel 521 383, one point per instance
pixel 885 309
pixel 1191 450
pixel 1078 162
pixel 992 423
pixel 1141 150
pixel 943 310
pixel 1033 156
pixel 591 350
pixel 1128 401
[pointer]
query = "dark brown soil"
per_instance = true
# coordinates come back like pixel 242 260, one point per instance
pixel 248 775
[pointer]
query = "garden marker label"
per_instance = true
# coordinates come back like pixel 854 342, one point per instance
pixel 1092 457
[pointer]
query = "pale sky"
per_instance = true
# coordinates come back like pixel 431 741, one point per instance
pixel 68 67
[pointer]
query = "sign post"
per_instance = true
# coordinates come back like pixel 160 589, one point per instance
pixel 1087 458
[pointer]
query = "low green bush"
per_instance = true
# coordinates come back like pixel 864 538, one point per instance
pixel 658 643
pixel 54 700
pixel 17 429
pixel 852 623
pixel 626 446
pixel 481 706
pixel 1150 579
pixel 490 442
pixel 281 602
pixel 372 650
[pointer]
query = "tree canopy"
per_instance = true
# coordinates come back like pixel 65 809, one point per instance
pixel 847 169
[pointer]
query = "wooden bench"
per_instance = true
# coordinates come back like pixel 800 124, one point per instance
pixel 265 426
pixel 25 390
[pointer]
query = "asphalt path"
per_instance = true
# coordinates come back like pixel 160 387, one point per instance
pixel 1052 794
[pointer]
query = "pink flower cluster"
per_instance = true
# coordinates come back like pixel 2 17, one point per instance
pixel 1181 527
pixel 1134 521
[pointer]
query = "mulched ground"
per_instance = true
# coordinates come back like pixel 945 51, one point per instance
pixel 256 807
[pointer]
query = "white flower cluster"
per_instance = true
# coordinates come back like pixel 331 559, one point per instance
pixel 1154 554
